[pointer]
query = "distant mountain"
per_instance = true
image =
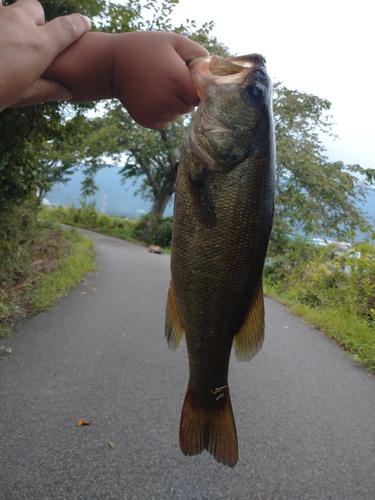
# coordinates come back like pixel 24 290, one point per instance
pixel 118 199
pixel 112 198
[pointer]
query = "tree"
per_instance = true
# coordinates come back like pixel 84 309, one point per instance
pixel 26 171
pixel 313 195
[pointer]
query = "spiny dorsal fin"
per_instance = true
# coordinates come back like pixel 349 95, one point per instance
pixel 249 339
pixel 174 330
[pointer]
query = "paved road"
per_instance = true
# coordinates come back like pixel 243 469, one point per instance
pixel 305 414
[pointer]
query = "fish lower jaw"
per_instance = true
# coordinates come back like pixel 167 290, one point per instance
pixel 208 126
pixel 209 123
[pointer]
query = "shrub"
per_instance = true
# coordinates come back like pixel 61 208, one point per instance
pixel 153 229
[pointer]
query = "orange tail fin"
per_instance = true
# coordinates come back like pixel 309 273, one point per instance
pixel 209 427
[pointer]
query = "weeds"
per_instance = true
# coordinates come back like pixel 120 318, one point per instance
pixel 159 229
pixel 56 261
pixel 334 291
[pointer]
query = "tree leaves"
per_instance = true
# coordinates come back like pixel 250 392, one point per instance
pixel 313 195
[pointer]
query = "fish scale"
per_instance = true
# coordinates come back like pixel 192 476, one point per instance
pixel 222 222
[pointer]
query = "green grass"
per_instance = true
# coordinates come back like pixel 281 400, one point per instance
pixel 86 217
pixel 70 269
pixel 159 233
pixel 345 327
pixel 334 292
pixel 58 261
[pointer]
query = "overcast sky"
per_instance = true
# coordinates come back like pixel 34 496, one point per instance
pixel 326 48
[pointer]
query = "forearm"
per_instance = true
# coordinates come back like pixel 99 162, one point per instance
pixel 86 67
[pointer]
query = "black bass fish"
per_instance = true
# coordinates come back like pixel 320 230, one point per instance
pixel 223 213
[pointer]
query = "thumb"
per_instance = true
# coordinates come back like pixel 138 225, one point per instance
pixel 63 31
pixel 187 49
pixel 43 90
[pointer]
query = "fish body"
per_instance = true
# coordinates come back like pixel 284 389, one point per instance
pixel 223 214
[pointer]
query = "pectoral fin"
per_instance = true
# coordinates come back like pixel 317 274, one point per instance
pixel 174 330
pixel 249 339
pixel 203 198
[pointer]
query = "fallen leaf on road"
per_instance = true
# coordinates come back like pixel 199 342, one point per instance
pixel 83 422
pixel 287 327
pixel 110 444
pixel 83 293
pixel 4 350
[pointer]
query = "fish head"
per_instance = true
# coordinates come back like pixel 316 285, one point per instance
pixel 234 118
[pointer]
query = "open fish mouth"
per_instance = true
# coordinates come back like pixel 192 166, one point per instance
pixel 212 69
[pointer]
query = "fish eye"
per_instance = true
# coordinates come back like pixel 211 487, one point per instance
pixel 255 92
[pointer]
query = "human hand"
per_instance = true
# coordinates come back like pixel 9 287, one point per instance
pixel 151 78
pixel 27 48
pixel 146 70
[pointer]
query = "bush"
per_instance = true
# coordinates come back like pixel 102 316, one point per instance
pixel 153 229
pixel 335 290
pixel 18 227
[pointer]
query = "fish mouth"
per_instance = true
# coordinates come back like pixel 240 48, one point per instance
pixel 231 71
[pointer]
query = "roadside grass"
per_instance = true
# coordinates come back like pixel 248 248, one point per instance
pixel 85 216
pixel 56 261
pixel 334 292
pixel 345 327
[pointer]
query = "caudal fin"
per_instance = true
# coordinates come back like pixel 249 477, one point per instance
pixel 209 427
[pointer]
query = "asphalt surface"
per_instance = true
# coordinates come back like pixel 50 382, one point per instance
pixel 305 413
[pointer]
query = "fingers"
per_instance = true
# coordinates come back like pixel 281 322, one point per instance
pixel 63 31
pixel 187 50
pixel 151 77
pixel 32 9
pixel 43 90
pixel 28 47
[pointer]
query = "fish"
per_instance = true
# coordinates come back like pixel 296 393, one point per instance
pixel 223 212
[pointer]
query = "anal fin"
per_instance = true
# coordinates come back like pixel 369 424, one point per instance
pixel 174 330
pixel 249 339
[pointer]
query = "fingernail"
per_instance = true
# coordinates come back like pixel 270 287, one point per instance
pixel 88 20
pixel 65 95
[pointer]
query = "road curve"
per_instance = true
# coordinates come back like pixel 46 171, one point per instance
pixel 305 413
